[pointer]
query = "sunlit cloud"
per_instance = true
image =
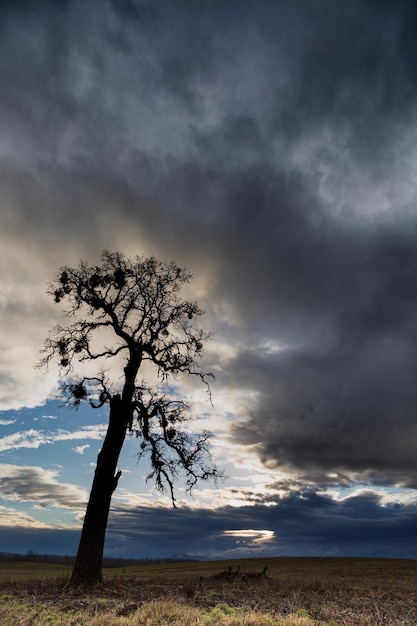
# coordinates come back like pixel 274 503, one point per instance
pixel 129 499
pixel 255 536
pixel 385 497
pixel 13 517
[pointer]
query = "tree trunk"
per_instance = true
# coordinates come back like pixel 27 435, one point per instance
pixel 88 563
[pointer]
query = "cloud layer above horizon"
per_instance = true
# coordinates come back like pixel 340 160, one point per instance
pixel 271 148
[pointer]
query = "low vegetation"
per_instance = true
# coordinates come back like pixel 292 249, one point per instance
pixel 280 592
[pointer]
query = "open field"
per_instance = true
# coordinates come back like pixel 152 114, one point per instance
pixel 295 592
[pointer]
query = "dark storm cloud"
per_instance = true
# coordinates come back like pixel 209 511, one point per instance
pixel 341 393
pixel 19 540
pixel 268 145
pixel 303 525
pixel 135 97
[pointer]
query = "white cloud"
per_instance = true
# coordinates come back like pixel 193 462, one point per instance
pixel 95 432
pixel 26 439
pixel 34 438
pixel 26 315
pixel 81 449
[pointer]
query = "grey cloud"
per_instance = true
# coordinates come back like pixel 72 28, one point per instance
pixel 19 540
pixel 247 142
pixel 34 484
pixel 303 524
pixel 115 115
pixel 337 413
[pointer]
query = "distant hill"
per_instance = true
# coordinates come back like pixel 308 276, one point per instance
pixel 187 557
pixel 34 557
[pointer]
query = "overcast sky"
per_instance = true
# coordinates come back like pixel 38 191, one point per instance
pixel 270 147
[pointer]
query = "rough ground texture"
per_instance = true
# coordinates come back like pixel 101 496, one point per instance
pixel 329 592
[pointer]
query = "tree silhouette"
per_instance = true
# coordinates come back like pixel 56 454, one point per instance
pixel 129 311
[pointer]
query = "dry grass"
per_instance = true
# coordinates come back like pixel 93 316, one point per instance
pixel 297 592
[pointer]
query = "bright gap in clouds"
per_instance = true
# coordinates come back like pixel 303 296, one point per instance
pixel 386 496
pixel 255 536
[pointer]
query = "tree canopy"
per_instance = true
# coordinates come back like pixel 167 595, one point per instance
pixel 129 312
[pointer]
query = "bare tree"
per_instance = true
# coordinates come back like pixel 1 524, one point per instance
pixel 129 311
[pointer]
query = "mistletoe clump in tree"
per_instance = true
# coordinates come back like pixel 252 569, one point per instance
pixel 130 311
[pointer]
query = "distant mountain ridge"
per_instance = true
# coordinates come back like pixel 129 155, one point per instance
pixel 187 557
pixel 34 557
